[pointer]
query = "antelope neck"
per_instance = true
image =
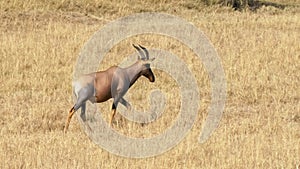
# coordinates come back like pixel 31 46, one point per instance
pixel 134 72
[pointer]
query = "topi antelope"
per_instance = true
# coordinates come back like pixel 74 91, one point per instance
pixel 113 83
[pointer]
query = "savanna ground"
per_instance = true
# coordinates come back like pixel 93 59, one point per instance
pixel 260 52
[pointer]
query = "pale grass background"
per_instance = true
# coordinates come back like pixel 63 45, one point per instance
pixel 260 52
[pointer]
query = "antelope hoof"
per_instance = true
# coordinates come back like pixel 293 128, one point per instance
pixel 129 108
pixel 65 130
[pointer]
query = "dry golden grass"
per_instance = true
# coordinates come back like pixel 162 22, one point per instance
pixel 260 53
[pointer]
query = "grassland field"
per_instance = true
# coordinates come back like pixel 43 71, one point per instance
pixel 259 50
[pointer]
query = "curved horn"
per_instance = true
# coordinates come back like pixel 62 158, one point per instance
pixel 146 51
pixel 142 55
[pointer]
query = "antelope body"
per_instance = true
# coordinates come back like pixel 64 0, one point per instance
pixel 113 83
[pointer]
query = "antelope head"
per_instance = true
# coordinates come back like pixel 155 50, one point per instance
pixel 144 61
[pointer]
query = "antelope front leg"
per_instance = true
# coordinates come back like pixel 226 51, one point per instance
pixel 69 119
pixel 113 112
pixel 126 104
pixel 114 108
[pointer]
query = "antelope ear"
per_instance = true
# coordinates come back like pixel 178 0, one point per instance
pixel 148 61
pixel 151 60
